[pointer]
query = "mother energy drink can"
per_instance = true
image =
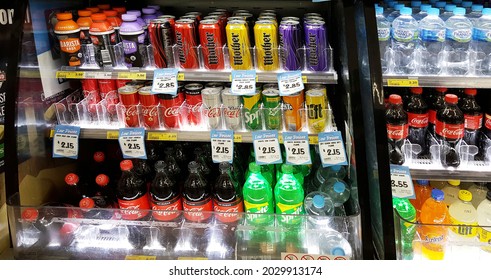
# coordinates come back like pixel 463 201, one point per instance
pixel 210 36
pixel 239 45
pixel 316 45
pixel 317 105
pixel 272 108
pixel 185 39
pixel 266 34
pixel 290 45
pixel 252 110
pixel 293 105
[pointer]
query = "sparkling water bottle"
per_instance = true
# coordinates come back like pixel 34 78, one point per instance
pixel 448 11
pixel 457 44
pixel 404 41
pixel 397 12
pixel 481 44
pixel 476 12
pixel 422 13
pixel 432 38
pixel 383 28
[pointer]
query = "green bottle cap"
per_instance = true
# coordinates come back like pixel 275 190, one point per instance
pixel 286 169
pixel 253 167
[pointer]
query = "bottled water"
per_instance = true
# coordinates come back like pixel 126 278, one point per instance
pixel 383 28
pixel 390 8
pixel 476 12
pixel 397 12
pixel 324 173
pixel 457 44
pixel 467 5
pixel 319 207
pixel 481 44
pixel 432 38
pixel 422 13
pixel 339 193
pixel 448 12
pixel 440 5
pixel 333 243
pixel 416 6
pixel 404 41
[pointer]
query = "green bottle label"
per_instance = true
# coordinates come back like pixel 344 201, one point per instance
pixel 261 209
pixel 290 209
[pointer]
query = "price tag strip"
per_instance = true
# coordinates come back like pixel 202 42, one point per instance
pixel 297 148
pixel 222 145
pixel 65 141
pixel 401 182
pixel 290 82
pixel 243 82
pixel 331 149
pixel 131 141
pixel 165 81
pixel 266 147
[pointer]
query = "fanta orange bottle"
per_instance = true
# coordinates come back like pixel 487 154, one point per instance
pixel 434 214
pixel 422 191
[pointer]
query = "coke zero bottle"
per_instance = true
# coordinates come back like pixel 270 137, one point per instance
pixel 437 103
pixel 227 196
pixel 417 114
pixel 472 116
pixel 196 196
pixel 173 168
pixel 143 169
pixel 204 168
pixel 397 128
pixel 449 130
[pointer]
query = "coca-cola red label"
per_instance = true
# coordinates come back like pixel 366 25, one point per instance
pixel 132 209
pixel 194 210
pixel 172 111
pixel 132 116
pixel 167 210
pixel 232 113
pixel 417 120
pixel 150 116
pixel 397 132
pixel 213 112
pixel 228 211
pixel 194 108
pixel 487 121
pixel 449 131
pixel 432 116
pixel 472 122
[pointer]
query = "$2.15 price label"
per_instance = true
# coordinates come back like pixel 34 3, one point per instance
pixel 222 145
pixel 401 182
pixel 297 148
pixel 243 82
pixel 131 142
pixel 266 147
pixel 290 82
pixel 331 149
pixel 165 81
pixel 65 141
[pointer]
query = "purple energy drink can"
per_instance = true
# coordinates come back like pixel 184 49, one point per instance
pixel 290 45
pixel 316 45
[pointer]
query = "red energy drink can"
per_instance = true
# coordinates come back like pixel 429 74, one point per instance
pixel 162 39
pixel 194 101
pixel 90 89
pixel 170 106
pixel 185 38
pixel 198 15
pixel 129 99
pixel 210 36
pixel 149 104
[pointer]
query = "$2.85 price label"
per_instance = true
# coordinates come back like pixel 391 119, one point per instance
pixel 222 145
pixel 266 147
pixel 165 81
pixel 131 142
pixel 290 82
pixel 65 141
pixel 401 182
pixel 331 149
pixel 243 82
pixel 297 148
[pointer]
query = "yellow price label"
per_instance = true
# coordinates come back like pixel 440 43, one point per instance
pixel 132 75
pixel 238 138
pixel 140 258
pixel 70 74
pixel 180 76
pixel 313 139
pixel 304 79
pixel 112 134
pixel 402 82
pixel 162 136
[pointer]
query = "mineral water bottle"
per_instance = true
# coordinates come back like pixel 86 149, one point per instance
pixel 390 8
pixel 457 45
pixel 481 44
pixel 324 173
pixel 319 206
pixel 476 12
pixel 404 41
pixel 432 38
pixel 448 12
pixel 333 243
pixel 339 192
pixel 397 12
pixel 383 28
pixel 422 13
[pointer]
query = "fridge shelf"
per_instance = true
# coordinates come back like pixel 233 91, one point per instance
pixel 437 81
pixel 473 171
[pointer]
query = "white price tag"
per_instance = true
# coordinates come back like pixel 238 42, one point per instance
pixel 165 81
pixel 297 148
pixel 65 141
pixel 290 82
pixel 331 149
pixel 243 82
pixel 222 145
pixel 131 141
pixel 98 75
pixel 266 147
pixel 401 182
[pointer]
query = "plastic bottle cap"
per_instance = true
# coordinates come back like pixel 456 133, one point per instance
pixel 437 194
pixel 433 12
pixel 454 182
pixel 318 201
pixel 71 179
pixel 128 17
pixel 337 251
pixel 30 214
pixel 134 12
pixel 423 182
pixel 477 8
pixel 286 169
pixel 339 187
pixel 465 195
pixel 193 165
pixel 486 11
pixel 451 98
pixel 395 99
pixel 86 202
pixel 126 165
pixel 471 91
pixel 64 16
pixel 98 17
pixel 417 90
pixel 84 13
pixel 148 11
pixel 440 4
pixel 406 11
pixel 450 7
pixel 459 11
pixel 110 13
pixel 99 157
pixel 415 3
pixel 399 7
pixel 425 7
pixel 379 11
pixel 102 180
pixel 441 89
pixel 224 165
pixel 466 4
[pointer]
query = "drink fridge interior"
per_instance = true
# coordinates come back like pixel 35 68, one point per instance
pixel 177 153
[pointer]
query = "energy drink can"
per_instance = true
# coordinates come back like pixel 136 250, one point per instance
pixel 272 108
pixel 210 36
pixel 293 105
pixel 252 111
pixel 161 37
pixel 185 38
pixel 239 45
pixel 317 105
pixel 266 34
pixel 316 45
pixel 290 45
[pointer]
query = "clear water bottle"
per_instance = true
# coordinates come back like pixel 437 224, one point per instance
pixel 468 6
pixel 339 192
pixel 441 6
pixel 476 12
pixel 416 6
pixel 319 207
pixel 448 11
pixel 333 243
pixel 383 28
pixel 324 173
pixel 389 8
pixel 404 41
pixel 397 12
pixel 457 43
pixel 422 13
pixel 481 44
pixel 431 42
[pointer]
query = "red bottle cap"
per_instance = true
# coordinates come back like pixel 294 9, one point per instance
pixel 470 91
pixel 395 99
pixel 71 179
pixel 110 13
pixel 417 90
pixel 86 202
pixel 441 89
pixel 451 98
pixel 99 157
pixel 30 214
pixel 126 165
pixel 98 17
pixel 102 180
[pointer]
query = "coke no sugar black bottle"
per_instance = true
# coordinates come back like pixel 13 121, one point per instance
pixel 449 130
pixel 472 116
pixel 196 196
pixel 397 128
pixel 227 197
pixel 417 114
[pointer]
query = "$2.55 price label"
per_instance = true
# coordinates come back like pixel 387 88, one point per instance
pixel 297 148
pixel 331 149
pixel 165 81
pixel 266 147
pixel 243 82
pixel 131 142
pixel 401 182
pixel 222 145
pixel 65 141
pixel 290 82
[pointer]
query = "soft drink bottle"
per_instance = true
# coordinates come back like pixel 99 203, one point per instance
pixel 77 189
pixel 204 168
pixel 142 168
pixel 476 12
pixel 196 196
pixel 463 217
pixel 339 192
pixel 480 45
pixel 431 42
pixel 422 191
pixel 472 117
pixel 449 8
pixel 99 165
pixel 434 214
pixel 96 207
pixel 383 28
pixel 422 13
pixel 173 168
pixel 479 192
pixel 227 197
pixel 297 172
pixel 407 225
pixel 435 101
pixel 485 142
pixel 417 113
pixel 450 131
pixel 484 222
pixel 397 128
pixel 181 156
pixel 451 190
pixel 319 206
pixel 457 43
pixel 106 187
pixel 404 42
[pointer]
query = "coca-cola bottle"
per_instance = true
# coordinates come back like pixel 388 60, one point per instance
pixel 449 130
pixel 173 168
pixel 472 116
pixel 97 207
pixel 417 114
pixel 143 169
pixel 227 197
pixel 204 168
pixel 133 200
pixel 437 103
pixel 181 157
pixel 485 150
pixel 78 188
pixel 397 128
pixel 106 187
pixel 99 165
pixel 196 196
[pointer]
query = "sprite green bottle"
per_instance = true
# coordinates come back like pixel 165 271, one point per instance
pixel 258 196
pixel 266 170
pixel 407 211
pixel 297 172
pixel 289 197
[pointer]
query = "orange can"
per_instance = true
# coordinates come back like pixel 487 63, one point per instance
pixel 293 106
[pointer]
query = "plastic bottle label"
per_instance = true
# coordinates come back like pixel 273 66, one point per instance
pixel 460 228
pixel 397 132
pixel 194 210
pixel 132 209
pixel 417 120
pixel 403 35
pixel 166 210
pixel 472 122
pixel 450 131
pixel 383 34
pixel 290 209
pixel 228 210
pixel 460 35
pixel 487 121
pixel 482 35
pixel 258 208
pixel 432 116
pixel 429 35
pixel 484 236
